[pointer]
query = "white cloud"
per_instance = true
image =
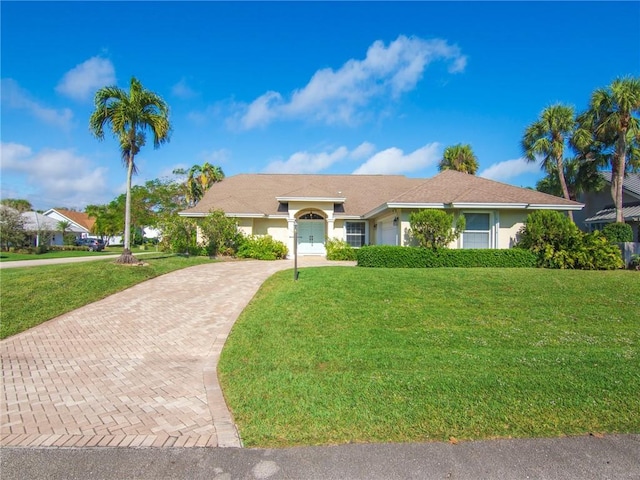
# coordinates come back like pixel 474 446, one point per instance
pixel 364 150
pixel 182 90
pixel 503 171
pixel 340 96
pixel 305 162
pixel 60 177
pixel 82 81
pixel 394 161
pixel 14 96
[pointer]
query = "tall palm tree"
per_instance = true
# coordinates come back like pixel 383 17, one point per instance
pixel 546 137
pixel 611 123
pixel 130 115
pixel 581 176
pixel 460 158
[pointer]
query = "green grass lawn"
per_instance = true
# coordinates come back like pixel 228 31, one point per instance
pixel 11 257
pixel 32 295
pixel 398 355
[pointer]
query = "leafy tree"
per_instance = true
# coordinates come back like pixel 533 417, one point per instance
pixel 460 158
pixel 434 228
pixel 12 231
pixel 109 220
pixel 611 127
pixel 546 137
pixel 18 204
pixel 130 115
pixel 179 235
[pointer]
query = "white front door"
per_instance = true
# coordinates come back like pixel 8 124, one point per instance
pixel 311 237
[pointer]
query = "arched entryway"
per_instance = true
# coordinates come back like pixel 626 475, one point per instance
pixel 311 234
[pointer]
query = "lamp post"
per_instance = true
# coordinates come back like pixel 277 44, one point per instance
pixel 295 250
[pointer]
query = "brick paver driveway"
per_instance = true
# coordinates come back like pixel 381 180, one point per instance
pixel 135 369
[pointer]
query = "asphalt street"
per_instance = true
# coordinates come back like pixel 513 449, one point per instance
pixel 584 457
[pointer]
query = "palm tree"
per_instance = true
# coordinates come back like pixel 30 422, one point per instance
pixel 547 136
pixel 199 179
pixel 581 176
pixel 611 123
pixel 63 226
pixel 130 115
pixel 460 158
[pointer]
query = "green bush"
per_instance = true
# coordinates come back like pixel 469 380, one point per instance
pixel 417 257
pixel 339 250
pixel 220 234
pixel 434 228
pixel 596 253
pixel 261 247
pixel 634 264
pixel 618 232
pixel 552 237
pixel 68 248
pixel 558 243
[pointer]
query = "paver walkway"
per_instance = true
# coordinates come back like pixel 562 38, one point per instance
pixel 135 369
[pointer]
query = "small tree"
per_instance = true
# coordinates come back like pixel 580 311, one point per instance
pixel 63 226
pixel 435 228
pixel 12 231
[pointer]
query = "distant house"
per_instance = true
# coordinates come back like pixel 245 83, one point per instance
pixel 599 208
pixel 37 224
pixel 80 220
pixel 372 209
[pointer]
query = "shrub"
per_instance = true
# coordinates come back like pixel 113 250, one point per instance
pixel 434 228
pixel 417 257
pixel 634 264
pixel 596 253
pixel 220 234
pixel 179 235
pixel 262 247
pixel 618 232
pixel 339 250
pixel 552 237
pixel 557 243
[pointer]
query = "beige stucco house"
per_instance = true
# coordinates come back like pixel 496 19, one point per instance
pixel 372 209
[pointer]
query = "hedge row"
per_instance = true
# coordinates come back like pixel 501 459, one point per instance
pixel 415 257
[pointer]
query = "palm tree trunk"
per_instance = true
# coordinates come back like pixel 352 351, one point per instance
pixel 617 180
pixel 127 257
pixel 563 184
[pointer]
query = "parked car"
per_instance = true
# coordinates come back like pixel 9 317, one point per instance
pixel 94 244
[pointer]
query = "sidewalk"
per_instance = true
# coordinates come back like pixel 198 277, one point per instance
pixel 57 261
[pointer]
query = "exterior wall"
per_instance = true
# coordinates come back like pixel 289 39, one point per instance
pixel 276 227
pixel 510 224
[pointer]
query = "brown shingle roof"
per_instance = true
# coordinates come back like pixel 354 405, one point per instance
pixel 450 187
pixel 257 193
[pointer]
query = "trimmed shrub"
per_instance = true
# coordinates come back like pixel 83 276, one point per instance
pixel 339 250
pixel 434 228
pixel 416 257
pixel 262 247
pixel 618 232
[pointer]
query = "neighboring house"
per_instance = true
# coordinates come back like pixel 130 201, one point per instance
pixel 36 224
pixel 372 209
pixel 81 223
pixel 599 207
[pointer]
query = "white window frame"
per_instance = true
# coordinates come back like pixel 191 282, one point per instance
pixel 492 235
pixel 364 235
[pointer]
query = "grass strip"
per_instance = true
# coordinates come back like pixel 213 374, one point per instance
pixel 404 355
pixel 32 295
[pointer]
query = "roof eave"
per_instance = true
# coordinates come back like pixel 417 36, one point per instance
pixel 544 206
pixel 312 199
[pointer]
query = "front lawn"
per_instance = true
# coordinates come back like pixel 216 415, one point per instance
pixel 32 295
pixel 11 256
pixel 403 355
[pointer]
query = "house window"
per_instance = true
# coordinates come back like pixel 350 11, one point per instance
pixel 355 233
pixel 477 233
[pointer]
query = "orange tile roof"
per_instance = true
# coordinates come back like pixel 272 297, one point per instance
pixel 80 218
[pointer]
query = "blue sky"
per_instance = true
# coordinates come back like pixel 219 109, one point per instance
pixel 302 87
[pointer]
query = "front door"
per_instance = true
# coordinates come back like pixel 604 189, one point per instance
pixel 311 237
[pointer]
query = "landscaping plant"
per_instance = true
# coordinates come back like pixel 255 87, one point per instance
pixel 435 228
